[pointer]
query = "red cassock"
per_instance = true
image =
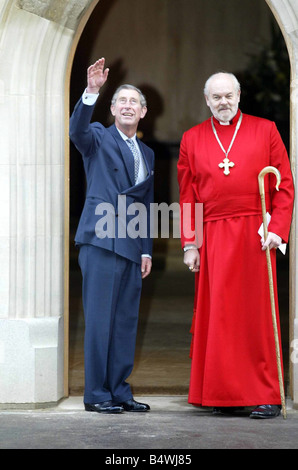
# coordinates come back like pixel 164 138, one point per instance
pixel 232 349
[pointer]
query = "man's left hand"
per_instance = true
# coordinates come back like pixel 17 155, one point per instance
pixel 146 266
pixel 273 241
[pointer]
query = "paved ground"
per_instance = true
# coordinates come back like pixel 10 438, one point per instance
pixel 172 426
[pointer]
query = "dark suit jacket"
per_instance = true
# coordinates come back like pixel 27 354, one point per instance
pixel 108 164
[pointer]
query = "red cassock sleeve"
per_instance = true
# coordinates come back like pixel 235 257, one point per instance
pixel 282 200
pixel 186 181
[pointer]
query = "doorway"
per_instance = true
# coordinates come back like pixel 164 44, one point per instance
pixel 122 32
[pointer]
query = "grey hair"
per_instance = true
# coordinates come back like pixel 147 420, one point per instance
pixel 129 87
pixel 231 75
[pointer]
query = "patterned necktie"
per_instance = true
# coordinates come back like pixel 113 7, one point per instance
pixel 136 156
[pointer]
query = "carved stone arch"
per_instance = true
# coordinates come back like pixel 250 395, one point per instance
pixel 286 15
pixel 36 42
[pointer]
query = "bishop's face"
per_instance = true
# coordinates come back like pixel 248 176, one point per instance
pixel 223 98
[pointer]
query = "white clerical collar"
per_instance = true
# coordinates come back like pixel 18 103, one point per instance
pixel 222 123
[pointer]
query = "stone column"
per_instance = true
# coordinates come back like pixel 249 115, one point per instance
pixel 286 14
pixel 35 42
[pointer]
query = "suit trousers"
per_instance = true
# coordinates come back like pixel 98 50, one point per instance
pixel 111 292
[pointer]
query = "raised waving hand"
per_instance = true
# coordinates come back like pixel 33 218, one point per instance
pixel 96 76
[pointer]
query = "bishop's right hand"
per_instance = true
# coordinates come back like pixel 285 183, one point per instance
pixel 192 260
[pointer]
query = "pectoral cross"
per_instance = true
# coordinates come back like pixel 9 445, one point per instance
pixel 226 165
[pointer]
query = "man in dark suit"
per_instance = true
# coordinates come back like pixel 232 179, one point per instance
pixel 115 243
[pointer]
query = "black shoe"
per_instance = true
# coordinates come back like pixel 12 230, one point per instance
pixel 132 405
pixel 104 407
pixel 265 411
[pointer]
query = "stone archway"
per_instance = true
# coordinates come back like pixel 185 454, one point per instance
pixel 37 40
pixel 34 82
pixel 286 15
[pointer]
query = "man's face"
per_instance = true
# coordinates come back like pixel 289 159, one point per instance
pixel 223 98
pixel 127 110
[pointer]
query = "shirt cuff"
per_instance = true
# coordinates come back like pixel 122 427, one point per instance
pixel 189 247
pixel 89 98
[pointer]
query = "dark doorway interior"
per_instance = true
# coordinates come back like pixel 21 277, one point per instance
pixel 170 64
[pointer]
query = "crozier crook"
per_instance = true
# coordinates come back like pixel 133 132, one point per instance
pixel 265 171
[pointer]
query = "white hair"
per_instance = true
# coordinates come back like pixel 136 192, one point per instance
pixel 231 75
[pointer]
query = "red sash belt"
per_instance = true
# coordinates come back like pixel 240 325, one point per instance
pixel 234 206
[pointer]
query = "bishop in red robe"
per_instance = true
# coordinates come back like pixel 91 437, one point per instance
pixel 232 349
